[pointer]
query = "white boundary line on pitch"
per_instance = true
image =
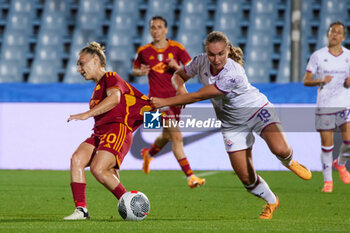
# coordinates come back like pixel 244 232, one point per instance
pixel 208 173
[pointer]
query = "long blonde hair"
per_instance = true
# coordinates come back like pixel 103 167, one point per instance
pixel 95 48
pixel 235 53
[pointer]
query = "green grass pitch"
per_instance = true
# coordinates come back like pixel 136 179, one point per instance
pixel 36 201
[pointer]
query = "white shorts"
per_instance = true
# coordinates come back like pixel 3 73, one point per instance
pixel 331 121
pixel 241 137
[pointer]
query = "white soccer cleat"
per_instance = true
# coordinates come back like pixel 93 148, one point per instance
pixel 78 214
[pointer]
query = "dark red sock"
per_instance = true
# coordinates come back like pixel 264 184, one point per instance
pixel 185 166
pixel 154 149
pixel 79 194
pixel 119 191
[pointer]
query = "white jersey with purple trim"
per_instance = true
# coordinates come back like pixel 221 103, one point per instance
pixel 333 96
pixel 241 99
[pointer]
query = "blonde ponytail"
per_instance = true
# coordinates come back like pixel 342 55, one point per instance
pixel 236 54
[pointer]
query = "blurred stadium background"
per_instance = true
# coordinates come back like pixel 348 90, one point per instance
pixel 40 41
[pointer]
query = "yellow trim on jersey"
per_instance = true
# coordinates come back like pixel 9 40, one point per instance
pixel 170 43
pixel 110 74
pixel 120 138
pixel 130 100
pixel 145 108
pixel 143 47
pixel 144 97
pixel 176 44
pixel 123 130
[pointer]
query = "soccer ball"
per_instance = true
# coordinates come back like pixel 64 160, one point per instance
pixel 133 206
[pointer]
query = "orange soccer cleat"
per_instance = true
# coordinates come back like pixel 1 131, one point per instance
pixel 327 187
pixel 300 170
pixel 343 173
pixel 269 208
pixel 195 181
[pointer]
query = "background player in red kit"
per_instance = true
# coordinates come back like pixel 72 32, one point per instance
pixel 159 60
pixel 118 110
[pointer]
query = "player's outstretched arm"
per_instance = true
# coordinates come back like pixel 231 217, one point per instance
pixel 112 99
pixel 204 93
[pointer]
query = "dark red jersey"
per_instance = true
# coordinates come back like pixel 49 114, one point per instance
pixel 159 77
pixel 132 103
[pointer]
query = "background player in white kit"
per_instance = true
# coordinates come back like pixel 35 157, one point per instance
pixel 331 65
pixel 241 108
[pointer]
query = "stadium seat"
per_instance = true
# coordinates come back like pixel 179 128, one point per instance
pixel 332 10
pixel 159 8
pixel 283 73
pixel 88 28
pixel 44 71
pixel 10 72
pixel 308 22
pixel 15 46
pixel 49 48
pixel 228 18
pixel 195 6
pixel 121 33
pixel 80 40
pixel 192 28
pixel 260 41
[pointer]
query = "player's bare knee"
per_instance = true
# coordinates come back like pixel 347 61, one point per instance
pixel 97 172
pixel 76 161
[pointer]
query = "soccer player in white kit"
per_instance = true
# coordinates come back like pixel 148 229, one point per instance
pixel 331 65
pixel 241 108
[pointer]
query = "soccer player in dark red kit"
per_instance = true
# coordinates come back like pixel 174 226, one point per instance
pixel 159 60
pixel 117 108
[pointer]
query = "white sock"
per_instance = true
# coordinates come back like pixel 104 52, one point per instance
pixel 286 161
pixel 326 160
pixel 344 153
pixel 262 190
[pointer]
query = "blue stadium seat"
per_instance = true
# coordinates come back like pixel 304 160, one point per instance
pixel 15 44
pixel 88 28
pixel 192 28
pixel 332 10
pixel 80 40
pixel 228 17
pixel 260 37
pixel 283 73
pixel 119 40
pixel 10 72
pixel 43 71
pixel 123 22
pixel 307 22
pixel 49 47
pixel 159 8
pixel 195 6
pixel 90 15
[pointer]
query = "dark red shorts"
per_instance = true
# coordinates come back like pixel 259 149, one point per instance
pixel 115 138
pixel 174 112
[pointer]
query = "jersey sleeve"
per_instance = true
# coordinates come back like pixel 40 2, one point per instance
pixel 227 82
pixel 115 81
pixel 312 64
pixel 192 68
pixel 184 57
